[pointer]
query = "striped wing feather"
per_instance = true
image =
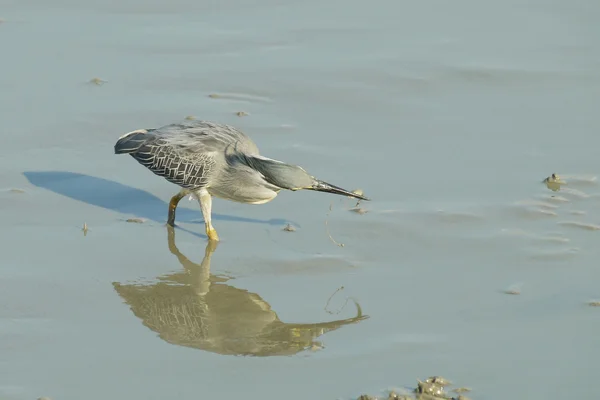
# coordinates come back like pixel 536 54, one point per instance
pixel 184 154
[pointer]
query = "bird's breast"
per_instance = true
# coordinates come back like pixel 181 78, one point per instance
pixel 241 194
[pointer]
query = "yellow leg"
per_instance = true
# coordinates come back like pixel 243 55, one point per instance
pixel 173 206
pixel 206 206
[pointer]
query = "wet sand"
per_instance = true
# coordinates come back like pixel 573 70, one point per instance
pixel 448 116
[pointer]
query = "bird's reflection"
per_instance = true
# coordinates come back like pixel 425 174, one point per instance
pixel 196 309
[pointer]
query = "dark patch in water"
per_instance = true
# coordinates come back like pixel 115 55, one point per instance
pixel 123 199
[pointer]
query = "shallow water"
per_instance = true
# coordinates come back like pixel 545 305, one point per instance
pixel 448 115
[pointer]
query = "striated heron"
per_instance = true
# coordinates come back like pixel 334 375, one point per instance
pixel 209 159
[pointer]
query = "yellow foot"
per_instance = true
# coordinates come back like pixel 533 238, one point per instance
pixel 212 234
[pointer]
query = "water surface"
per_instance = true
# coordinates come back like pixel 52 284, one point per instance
pixel 448 115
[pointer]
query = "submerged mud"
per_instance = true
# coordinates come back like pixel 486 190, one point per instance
pixel 432 388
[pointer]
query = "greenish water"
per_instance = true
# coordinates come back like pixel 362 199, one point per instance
pixel 448 115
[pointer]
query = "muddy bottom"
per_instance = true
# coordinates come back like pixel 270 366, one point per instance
pixel 432 388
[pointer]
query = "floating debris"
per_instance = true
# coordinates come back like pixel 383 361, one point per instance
pixel 395 396
pixel 366 397
pixel 438 380
pixel 190 118
pixel 594 303
pixel 242 114
pixel 514 289
pixel 553 182
pixel 552 179
pixel 431 389
pixel 214 96
pixel 136 220
pixel 97 81
pixel 44 398
pixel 327 228
pixel 14 190
pixel 289 228
pixel 84 229
pixel 359 210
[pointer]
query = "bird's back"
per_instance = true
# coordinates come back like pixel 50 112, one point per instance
pixel 185 153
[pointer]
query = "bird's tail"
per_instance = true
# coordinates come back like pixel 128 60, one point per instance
pixel 131 141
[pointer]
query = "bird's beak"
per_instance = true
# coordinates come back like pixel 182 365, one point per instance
pixel 321 186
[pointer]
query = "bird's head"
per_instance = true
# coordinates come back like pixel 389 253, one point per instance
pixel 293 177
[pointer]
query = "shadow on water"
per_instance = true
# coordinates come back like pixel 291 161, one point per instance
pixel 122 198
pixel 197 309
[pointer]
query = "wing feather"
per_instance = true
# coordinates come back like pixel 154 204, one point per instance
pixel 185 154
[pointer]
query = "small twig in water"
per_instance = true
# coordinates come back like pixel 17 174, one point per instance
pixel 289 228
pixel 136 220
pixel 97 81
pixel 327 228
pixel 330 297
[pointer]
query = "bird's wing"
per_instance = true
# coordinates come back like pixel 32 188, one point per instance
pixel 202 136
pixel 186 154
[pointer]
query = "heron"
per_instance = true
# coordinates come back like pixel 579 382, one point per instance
pixel 207 159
